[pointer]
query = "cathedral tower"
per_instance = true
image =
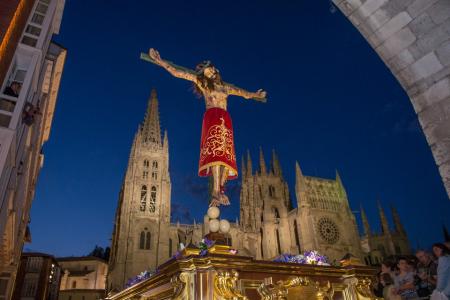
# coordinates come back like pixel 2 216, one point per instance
pixel 143 211
pixel 323 219
pixel 265 205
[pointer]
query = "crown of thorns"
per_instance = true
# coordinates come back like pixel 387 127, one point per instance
pixel 203 65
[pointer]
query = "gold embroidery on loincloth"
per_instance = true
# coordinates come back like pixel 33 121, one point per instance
pixel 219 143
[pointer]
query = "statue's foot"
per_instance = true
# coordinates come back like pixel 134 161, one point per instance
pixel 215 199
pixel 224 199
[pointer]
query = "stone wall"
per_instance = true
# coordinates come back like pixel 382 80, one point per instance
pixel 412 37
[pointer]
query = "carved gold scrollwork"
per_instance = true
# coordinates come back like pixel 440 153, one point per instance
pixel 225 286
pixel 364 288
pixel 279 291
pixel 180 284
pixel 324 292
pixel 359 289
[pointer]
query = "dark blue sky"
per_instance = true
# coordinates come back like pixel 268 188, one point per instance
pixel 332 104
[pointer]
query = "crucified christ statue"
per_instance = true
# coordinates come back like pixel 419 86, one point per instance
pixel 217 155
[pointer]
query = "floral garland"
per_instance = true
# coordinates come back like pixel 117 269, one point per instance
pixel 308 257
pixel 204 245
pixel 141 277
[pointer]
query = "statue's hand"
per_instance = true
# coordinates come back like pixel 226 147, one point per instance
pixel 261 94
pixel 154 54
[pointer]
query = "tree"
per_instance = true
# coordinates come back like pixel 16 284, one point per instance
pixel 100 252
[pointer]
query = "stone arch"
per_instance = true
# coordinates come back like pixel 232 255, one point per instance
pixel 413 40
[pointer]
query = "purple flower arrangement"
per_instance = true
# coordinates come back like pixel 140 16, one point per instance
pixel 141 277
pixel 204 245
pixel 308 257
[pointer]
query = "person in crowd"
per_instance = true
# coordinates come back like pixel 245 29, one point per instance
pixel 388 287
pixel 13 89
pixel 378 286
pixel 404 281
pixel 427 274
pixel 387 267
pixel 443 271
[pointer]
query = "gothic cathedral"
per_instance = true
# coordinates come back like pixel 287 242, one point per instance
pixel 144 236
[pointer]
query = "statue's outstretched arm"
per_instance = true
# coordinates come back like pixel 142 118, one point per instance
pixel 260 95
pixel 177 71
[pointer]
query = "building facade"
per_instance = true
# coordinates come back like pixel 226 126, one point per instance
pixel 144 237
pixel 387 241
pixel 38 278
pixel 82 278
pixel 140 238
pixel 28 95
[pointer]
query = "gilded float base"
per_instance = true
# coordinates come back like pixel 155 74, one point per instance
pixel 231 277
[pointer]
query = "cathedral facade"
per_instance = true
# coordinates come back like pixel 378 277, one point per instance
pixel 144 236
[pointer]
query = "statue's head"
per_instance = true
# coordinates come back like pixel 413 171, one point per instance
pixel 208 76
pixel 207 69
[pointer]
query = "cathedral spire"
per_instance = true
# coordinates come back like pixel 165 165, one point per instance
pixel 298 172
pixel 151 132
pixel 383 219
pixel 299 181
pixel 339 182
pixel 166 141
pixel 397 223
pixel 365 222
pixel 262 163
pixel 243 169
pixel 249 164
pixel 276 168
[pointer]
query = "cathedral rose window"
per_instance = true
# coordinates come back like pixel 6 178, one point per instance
pixel 328 230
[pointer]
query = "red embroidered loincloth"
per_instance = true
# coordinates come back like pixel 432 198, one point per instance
pixel 217 143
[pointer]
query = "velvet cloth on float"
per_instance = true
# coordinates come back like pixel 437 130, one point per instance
pixel 217 143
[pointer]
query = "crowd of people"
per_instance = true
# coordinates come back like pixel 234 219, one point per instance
pixel 423 276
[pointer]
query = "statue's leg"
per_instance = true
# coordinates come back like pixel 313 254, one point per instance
pixel 215 197
pixel 223 179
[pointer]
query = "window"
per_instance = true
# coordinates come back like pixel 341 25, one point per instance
pixel 143 198
pixel 27 40
pixel 41 8
pixel 154 170
pixel 276 214
pixel 38 19
pixel 271 191
pixel 145 240
pixel 74 284
pixel 29 287
pixel 34 28
pixel 146 164
pixel 145 175
pixel 278 241
pixel 142 240
pixel 152 204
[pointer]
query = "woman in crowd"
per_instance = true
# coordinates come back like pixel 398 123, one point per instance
pixel 443 272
